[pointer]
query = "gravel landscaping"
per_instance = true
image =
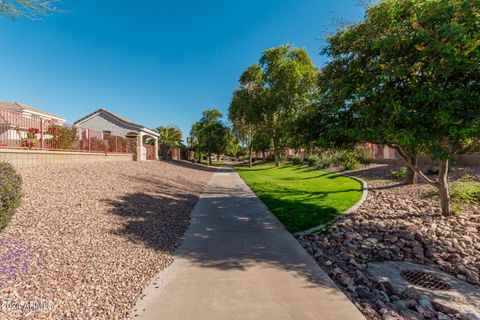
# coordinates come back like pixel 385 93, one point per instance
pixel 88 238
pixel 399 223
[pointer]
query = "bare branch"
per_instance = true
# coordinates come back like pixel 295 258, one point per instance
pixel 30 9
pixel 364 3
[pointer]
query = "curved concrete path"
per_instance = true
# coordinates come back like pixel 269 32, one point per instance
pixel 238 262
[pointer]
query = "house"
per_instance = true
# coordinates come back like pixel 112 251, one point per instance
pixel 17 119
pixel 109 123
pixel 30 112
pixel 379 152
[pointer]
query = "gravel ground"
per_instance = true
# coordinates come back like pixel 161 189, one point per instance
pixel 400 223
pixel 88 238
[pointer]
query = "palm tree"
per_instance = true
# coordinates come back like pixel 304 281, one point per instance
pixel 170 136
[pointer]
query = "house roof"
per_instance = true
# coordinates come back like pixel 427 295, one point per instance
pixel 17 106
pixel 120 118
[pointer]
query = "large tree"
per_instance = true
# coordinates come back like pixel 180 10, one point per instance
pixel 170 137
pixel 27 8
pixel 245 111
pixel 209 134
pixel 278 90
pixel 408 76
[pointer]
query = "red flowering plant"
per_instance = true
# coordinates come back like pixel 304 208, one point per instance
pixel 61 137
pixel 30 141
pixel 52 130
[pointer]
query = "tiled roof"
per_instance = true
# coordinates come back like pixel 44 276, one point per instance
pixel 122 119
pixel 17 106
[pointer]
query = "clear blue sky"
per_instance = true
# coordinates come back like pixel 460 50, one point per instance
pixel 154 62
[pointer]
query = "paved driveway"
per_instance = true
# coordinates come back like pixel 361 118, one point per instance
pixel 238 262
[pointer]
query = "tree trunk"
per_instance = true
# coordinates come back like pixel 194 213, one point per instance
pixel 263 155
pixel 411 163
pixel 209 159
pixel 276 152
pixel 441 184
pixel 411 177
pixel 277 158
pixel 250 156
pixel 443 188
pixel 165 155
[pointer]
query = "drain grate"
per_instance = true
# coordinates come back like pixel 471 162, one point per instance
pixel 424 279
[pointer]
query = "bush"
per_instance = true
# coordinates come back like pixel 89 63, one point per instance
pixel 337 158
pixel 330 158
pixel 313 160
pixel 65 138
pixel 297 160
pixel 435 170
pixel 363 156
pixel 10 192
pixel 465 190
pixel 400 173
pixel 326 162
pixel 349 161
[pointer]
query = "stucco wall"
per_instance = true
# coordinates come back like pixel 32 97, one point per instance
pixel 104 122
pixel 27 158
pixel 463 160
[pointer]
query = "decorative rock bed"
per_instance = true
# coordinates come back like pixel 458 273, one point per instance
pixel 398 223
pixel 88 238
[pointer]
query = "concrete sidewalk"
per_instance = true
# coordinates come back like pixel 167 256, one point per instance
pixel 238 262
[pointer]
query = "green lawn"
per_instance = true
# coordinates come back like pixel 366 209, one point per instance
pixel 301 197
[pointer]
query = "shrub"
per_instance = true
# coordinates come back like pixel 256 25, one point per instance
pixel 10 192
pixel 349 161
pixel 400 173
pixel 313 160
pixel 337 158
pixel 297 160
pixel 326 162
pixel 363 156
pixel 366 161
pixel 434 170
pixel 65 138
pixel 465 190
pixel 330 158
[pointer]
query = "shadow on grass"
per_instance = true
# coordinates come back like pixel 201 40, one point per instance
pixel 307 193
pixel 299 216
pixel 320 174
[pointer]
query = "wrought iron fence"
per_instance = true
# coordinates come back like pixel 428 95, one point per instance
pixel 25 131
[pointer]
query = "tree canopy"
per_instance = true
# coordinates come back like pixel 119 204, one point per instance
pixel 407 76
pixel 245 111
pixel 275 92
pixel 170 136
pixel 209 135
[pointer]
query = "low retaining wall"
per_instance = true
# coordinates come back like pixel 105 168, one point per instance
pixel 27 158
pixel 462 160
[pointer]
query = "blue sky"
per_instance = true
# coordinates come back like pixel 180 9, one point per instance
pixel 153 62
